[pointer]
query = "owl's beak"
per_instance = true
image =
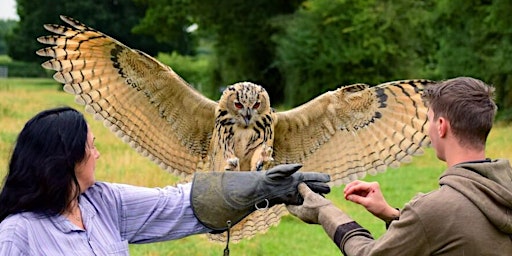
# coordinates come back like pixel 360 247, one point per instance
pixel 247 119
pixel 246 114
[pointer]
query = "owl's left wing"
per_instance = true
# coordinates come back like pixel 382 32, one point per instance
pixel 144 102
pixel 354 130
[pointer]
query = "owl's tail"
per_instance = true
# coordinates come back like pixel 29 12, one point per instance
pixel 259 221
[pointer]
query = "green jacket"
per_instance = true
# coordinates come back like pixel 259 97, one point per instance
pixel 470 214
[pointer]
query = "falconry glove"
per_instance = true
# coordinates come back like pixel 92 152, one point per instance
pixel 219 197
pixel 318 210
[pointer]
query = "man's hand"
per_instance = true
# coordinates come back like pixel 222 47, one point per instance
pixel 318 210
pixel 310 209
pixel 369 195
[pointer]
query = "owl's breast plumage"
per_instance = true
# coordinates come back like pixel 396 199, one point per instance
pixel 241 141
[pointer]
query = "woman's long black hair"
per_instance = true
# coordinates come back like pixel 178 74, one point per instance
pixel 41 175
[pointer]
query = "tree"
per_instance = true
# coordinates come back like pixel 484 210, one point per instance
pixel 6 27
pixel 169 21
pixel 116 18
pixel 328 43
pixel 475 39
pixel 499 42
pixel 298 49
pixel 240 33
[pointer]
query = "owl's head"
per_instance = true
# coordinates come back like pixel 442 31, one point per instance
pixel 245 102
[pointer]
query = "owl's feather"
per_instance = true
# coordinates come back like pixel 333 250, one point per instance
pixel 354 130
pixel 347 133
pixel 141 100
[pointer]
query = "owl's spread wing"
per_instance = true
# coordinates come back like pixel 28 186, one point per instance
pixel 140 99
pixel 355 130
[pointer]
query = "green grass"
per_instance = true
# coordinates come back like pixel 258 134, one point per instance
pixel 20 99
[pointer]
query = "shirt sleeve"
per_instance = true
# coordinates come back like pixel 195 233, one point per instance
pixel 156 214
pixel 8 248
pixel 13 239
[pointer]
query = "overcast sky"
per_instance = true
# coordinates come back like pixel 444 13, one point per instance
pixel 8 10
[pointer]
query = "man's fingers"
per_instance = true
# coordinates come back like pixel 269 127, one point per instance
pixel 360 188
pixel 352 189
pixel 292 209
pixel 355 185
pixel 356 199
pixel 304 190
pixel 350 185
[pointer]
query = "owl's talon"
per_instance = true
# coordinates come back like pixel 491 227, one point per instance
pixel 232 164
pixel 259 166
pixel 265 158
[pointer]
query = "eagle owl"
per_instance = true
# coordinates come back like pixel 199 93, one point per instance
pixel 347 133
pixel 243 133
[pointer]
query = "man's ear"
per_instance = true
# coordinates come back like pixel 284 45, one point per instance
pixel 442 127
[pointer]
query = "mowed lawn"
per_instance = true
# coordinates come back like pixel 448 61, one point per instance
pixel 20 99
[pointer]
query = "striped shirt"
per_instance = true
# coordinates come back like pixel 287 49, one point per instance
pixel 114 215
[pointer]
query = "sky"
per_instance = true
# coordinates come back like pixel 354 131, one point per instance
pixel 8 10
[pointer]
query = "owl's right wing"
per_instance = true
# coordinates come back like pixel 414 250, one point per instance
pixel 354 130
pixel 141 100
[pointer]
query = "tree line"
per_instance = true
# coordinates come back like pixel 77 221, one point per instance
pixel 298 49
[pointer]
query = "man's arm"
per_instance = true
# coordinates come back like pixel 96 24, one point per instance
pixel 369 195
pixel 405 237
pixel 338 225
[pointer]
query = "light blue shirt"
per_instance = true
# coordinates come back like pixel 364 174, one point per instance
pixel 113 215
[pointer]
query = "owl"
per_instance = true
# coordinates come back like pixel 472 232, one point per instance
pixel 347 133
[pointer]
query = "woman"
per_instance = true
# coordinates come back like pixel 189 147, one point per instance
pixel 50 203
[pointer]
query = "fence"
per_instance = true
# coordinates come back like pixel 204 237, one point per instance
pixel 4 72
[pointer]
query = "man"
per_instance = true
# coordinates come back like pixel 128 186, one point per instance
pixel 470 213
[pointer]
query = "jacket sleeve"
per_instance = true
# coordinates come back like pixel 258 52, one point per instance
pixel 388 223
pixel 405 236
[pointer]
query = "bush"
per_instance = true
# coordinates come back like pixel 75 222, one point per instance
pixel 23 69
pixel 195 70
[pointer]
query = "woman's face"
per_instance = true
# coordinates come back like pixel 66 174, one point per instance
pixel 84 170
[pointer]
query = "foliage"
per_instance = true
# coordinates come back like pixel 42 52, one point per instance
pixel 4 59
pixel 193 69
pixel 298 49
pixel 115 18
pixel 328 43
pixel 475 39
pixel 168 21
pixel 21 68
pixel 6 27
pixel 240 31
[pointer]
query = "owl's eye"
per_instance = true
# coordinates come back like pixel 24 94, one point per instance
pixel 238 105
pixel 256 105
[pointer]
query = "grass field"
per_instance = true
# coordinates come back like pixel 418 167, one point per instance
pixel 20 99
